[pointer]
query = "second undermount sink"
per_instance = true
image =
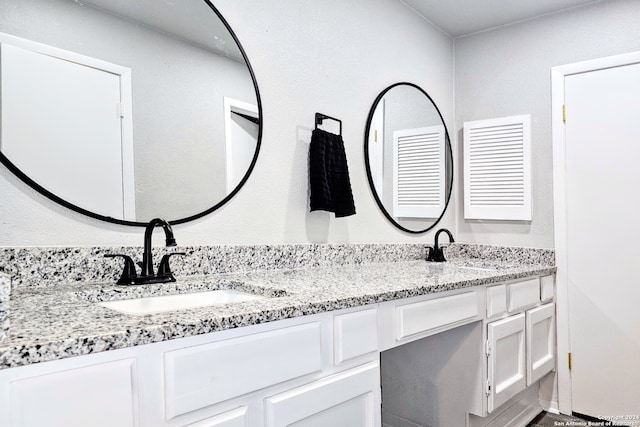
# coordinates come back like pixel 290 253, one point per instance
pixel 465 267
pixel 159 304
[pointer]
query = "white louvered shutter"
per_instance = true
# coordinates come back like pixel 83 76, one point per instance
pixel 497 169
pixel 419 172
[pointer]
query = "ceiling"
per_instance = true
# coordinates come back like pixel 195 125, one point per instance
pixel 197 23
pixel 462 17
pixel 191 21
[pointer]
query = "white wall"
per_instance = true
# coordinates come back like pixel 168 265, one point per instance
pixel 333 57
pixel 507 72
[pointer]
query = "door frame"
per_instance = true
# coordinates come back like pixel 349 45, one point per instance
pixel 231 105
pixel 376 148
pixel 558 75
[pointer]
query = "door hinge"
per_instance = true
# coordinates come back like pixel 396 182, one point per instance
pixel 487 348
pixel 487 389
pixel 569 360
pixel 564 113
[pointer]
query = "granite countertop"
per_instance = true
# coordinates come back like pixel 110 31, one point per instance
pixel 43 324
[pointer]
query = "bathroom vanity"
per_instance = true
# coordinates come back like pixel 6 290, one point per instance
pixel 307 354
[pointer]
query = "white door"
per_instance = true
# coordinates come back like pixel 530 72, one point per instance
pixel 61 125
pixel 506 359
pixel 347 399
pixel 603 239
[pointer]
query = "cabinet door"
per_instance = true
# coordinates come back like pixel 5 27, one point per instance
pixel 102 395
pixel 506 359
pixel 540 342
pixel 355 334
pixel 347 399
pixel 496 300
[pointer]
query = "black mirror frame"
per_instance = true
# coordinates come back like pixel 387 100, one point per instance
pixel 368 165
pixel 16 171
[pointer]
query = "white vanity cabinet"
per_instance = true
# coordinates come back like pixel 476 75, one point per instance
pixel 520 347
pixel 325 366
pixel 309 371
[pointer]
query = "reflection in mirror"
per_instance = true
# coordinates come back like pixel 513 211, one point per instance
pixel 408 158
pixel 126 110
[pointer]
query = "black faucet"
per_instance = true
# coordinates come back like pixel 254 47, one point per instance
pixel 129 276
pixel 147 257
pixel 436 254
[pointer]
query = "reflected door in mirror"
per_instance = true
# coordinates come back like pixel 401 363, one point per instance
pixel 63 123
pixel 176 157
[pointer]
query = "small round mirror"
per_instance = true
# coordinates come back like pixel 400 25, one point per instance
pixel 408 158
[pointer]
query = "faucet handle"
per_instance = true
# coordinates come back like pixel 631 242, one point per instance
pixel 430 252
pixel 163 268
pixel 435 254
pixel 128 272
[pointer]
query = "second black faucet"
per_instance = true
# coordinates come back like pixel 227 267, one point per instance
pixel 436 254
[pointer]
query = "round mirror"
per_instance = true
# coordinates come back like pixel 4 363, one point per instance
pixel 127 110
pixel 408 158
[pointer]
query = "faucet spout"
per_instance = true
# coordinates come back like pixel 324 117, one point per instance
pixel 147 257
pixel 438 234
pixel 436 254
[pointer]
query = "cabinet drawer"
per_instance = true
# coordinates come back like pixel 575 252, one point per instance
pixel 200 376
pixel 355 334
pixel 234 418
pixel 546 288
pixel 435 314
pixel 350 398
pixel 496 300
pixel 102 395
pixel 523 294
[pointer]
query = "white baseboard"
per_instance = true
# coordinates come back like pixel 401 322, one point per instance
pixel 518 412
pixel 551 407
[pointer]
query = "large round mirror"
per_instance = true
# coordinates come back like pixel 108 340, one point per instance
pixel 127 110
pixel 408 157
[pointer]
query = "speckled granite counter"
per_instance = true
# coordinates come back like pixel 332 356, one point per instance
pixel 49 323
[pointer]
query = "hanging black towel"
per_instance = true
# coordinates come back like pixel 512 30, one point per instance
pixel 329 175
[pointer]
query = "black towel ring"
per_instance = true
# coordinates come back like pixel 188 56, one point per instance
pixel 322 117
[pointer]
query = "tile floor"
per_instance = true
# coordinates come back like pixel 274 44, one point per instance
pixel 547 419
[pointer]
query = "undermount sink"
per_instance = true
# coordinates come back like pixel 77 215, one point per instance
pixel 149 305
pixel 464 267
